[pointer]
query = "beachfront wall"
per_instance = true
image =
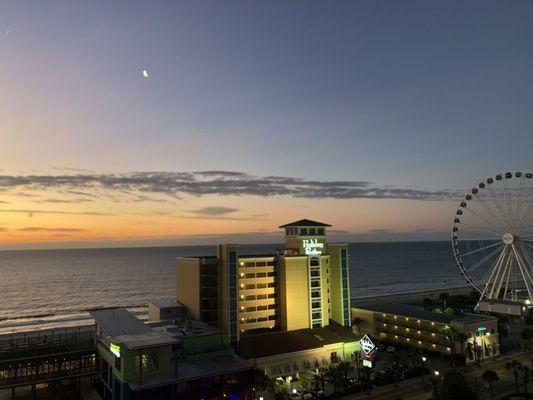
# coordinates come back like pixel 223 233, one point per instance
pixel 426 331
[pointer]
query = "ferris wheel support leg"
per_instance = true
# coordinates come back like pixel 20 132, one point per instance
pixel 510 267
pixel 499 274
pixel 505 264
pixel 491 275
pixel 524 271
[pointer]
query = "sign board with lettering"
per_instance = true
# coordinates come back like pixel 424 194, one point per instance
pixel 366 344
pixel 312 246
pixel 115 349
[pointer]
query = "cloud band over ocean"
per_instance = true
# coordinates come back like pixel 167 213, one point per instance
pixel 224 183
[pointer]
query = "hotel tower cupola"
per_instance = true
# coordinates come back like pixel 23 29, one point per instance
pixel 306 236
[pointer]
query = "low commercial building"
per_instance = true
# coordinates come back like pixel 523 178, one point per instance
pixel 514 309
pixel 429 331
pixel 166 358
pixel 288 353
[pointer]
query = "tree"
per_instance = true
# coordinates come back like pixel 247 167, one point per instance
pixel 451 333
pixel 356 321
pixel 444 298
pixel 455 387
pixel 515 367
pixel 345 367
pixel 449 311
pixel 427 303
pixel 335 375
pixel 262 381
pixel 490 377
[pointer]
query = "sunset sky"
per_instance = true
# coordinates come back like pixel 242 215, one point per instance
pixel 371 116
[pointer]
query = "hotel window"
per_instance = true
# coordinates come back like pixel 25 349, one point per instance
pixel 261 286
pixel 272 295
pixel 249 264
pixel 262 308
pixel 249 309
pixel 272 285
pixel 320 231
pixel 150 362
pixel 261 296
pixel 252 275
pixel 250 286
pixel 303 231
pixel 312 231
pixel 272 307
pixel 261 275
pixel 251 297
pixel 269 274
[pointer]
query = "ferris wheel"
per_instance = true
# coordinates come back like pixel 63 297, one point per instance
pixel 492 237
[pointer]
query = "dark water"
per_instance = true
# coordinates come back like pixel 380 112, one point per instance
pixel 55 287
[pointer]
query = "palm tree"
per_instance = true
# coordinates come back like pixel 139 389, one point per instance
pixel 451 333
pixel 515 367
pixel 490 377
pixel 356 321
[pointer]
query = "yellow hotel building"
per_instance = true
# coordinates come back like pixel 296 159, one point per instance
pixel 303 286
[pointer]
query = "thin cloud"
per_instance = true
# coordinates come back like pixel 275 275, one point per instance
pixel 214 211
pixel 33 212
pixel 45 229
pixel 176 184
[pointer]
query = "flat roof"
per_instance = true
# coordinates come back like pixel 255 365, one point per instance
pixel 274 343
pixel 166 303
pixel 411 311
pixel 304 222
pixel 122 326
pixel 231 363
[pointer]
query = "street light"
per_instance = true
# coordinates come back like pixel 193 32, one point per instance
pixel 437 373
pixel 424 359
pixel 294 391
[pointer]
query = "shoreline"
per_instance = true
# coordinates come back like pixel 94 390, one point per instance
pixel 402 297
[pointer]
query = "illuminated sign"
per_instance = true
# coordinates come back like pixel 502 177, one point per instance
pixel 115 349
pixel 366 344
pixel 481 329
pixel 312 246
pixel 367 363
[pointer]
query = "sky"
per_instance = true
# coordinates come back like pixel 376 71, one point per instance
pixel 373 116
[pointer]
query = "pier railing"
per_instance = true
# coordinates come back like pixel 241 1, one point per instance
pixel 41 356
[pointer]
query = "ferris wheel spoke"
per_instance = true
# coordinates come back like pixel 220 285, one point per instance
pixel 518 202
pixel 481 249
pixel 508 203
pixel 498 207
pixel 493 214
pixel 524 213
pixel 478 229
pixel 484 259
pixel 489 224
pixel 498 277
pixel 524 270
pixel 527 251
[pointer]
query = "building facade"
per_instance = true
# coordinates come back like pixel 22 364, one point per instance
pixel 429 331
pixel 302 286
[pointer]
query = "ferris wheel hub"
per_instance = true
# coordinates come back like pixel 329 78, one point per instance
pixel 508 238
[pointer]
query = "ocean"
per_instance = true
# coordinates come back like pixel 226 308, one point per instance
pixel 50 288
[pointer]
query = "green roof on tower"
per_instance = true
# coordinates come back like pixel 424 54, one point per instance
pixel 304 222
